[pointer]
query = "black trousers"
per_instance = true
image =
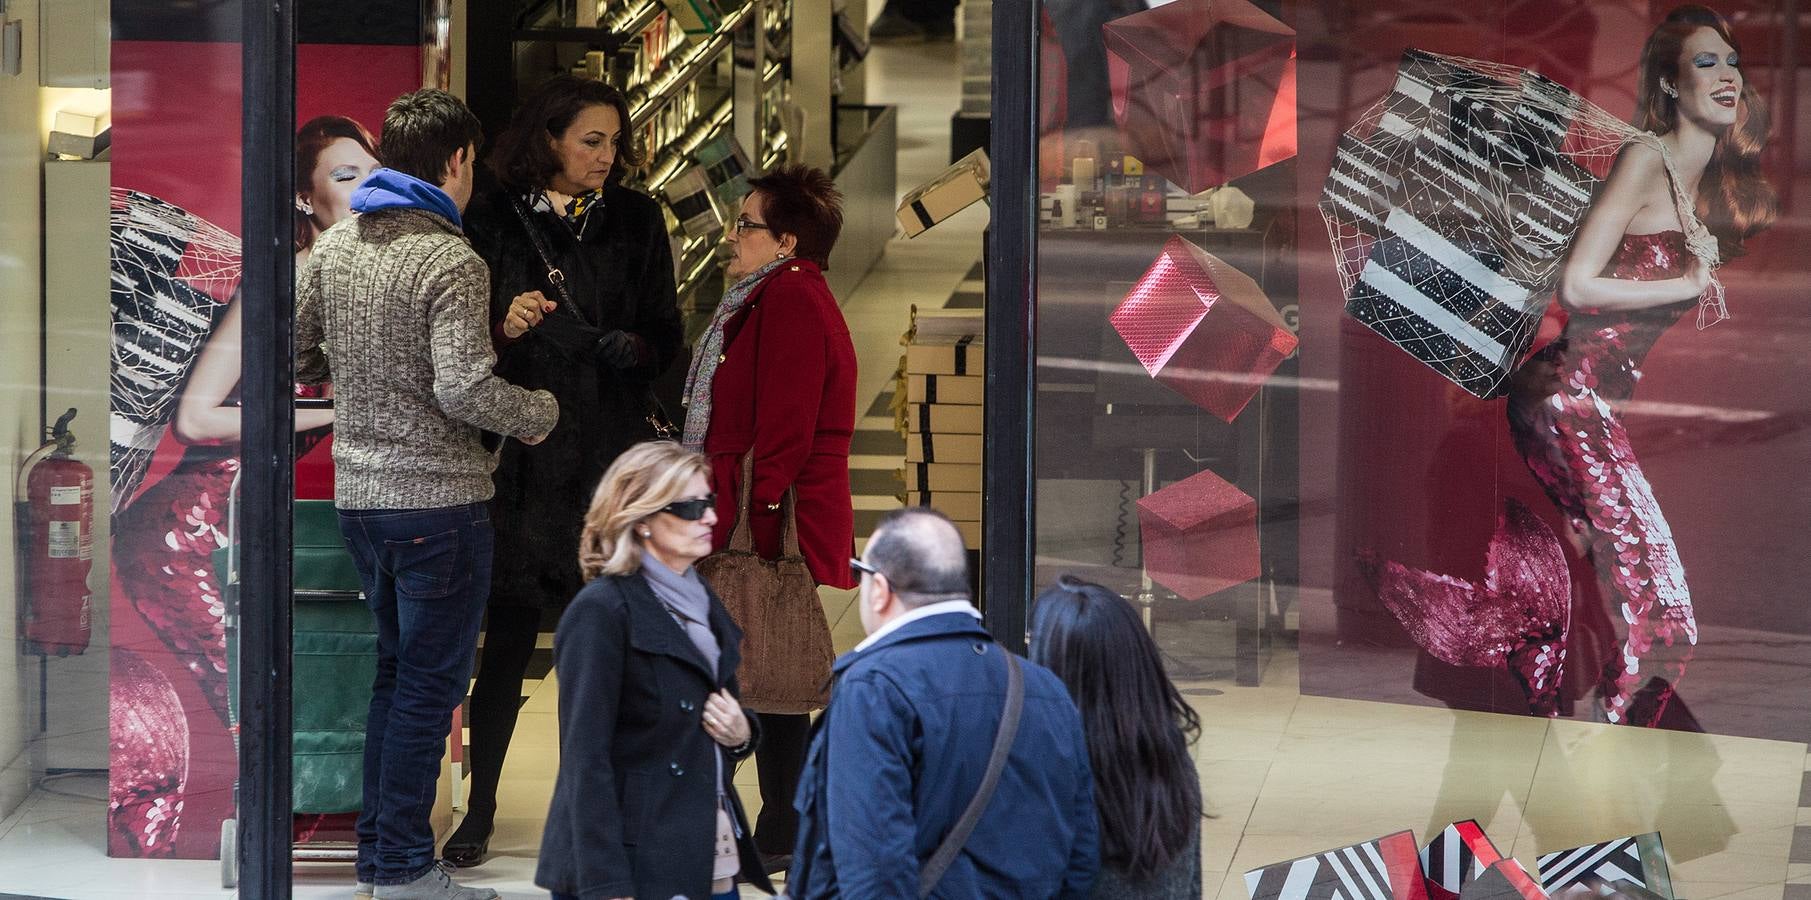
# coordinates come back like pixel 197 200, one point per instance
pixel 779 761
pixel 509 641
pixel 925 10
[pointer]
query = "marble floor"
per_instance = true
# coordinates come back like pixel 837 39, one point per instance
pixel 1284 775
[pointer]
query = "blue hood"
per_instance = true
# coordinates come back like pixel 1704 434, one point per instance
pixel 390 189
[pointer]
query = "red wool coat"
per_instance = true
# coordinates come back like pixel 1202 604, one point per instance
pixel 786 387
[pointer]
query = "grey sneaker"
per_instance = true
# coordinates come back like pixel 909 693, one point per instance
pixel 362 891
pixel 436 884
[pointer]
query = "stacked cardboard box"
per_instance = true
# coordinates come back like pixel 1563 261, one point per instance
pixel 943 391
pixel 960 185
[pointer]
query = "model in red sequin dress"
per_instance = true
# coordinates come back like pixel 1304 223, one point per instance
pixel 1574 442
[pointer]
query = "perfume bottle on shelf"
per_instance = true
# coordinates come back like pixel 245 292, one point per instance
pixel 1118 202
pixel 1152 205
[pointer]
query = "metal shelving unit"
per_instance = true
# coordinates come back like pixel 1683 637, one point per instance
pixel 770 71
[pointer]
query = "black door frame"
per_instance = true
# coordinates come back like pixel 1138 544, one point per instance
pixel 267 291
pixel 1009 533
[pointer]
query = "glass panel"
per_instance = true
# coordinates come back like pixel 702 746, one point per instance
pixel 1338 352
pixel 122 713
pixel 120 304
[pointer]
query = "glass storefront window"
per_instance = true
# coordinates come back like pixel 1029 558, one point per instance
pixel 124 715
pixel 1378 360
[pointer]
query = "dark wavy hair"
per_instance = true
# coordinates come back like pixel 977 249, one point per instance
pixel 313 137
pixel 422 131
pixel 802 201
pixel 523 160
pixel 1138 726
pixel 1734 200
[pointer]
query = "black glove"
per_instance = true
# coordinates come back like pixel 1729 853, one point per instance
pixel 619 350
pixel 572 339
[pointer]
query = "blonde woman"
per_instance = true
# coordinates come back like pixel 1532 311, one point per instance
pixel 650 726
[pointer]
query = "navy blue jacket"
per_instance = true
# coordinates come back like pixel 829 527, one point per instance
pixel 900 751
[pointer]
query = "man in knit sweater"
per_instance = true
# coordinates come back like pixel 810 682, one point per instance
pixel 393 309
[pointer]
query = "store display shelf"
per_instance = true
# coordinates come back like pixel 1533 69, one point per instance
pixel 772 76
pixel 775 154
pixel 608 38
pixel 688 70
pixel 697 262
pixel 675 155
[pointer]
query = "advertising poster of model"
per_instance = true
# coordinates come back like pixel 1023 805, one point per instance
pixel 175 418
pixel 1552 277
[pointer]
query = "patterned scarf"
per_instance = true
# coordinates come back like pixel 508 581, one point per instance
pixel 571 209
pixel 710 352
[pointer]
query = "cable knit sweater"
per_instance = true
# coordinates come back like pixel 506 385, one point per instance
pixel 393 308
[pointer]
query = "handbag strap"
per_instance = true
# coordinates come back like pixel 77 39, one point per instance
pixel 741 537
pixel 996 763
pixel 555 277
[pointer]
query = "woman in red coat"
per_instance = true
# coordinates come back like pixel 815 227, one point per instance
pixel 775 372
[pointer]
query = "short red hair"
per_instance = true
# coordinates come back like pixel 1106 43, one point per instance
pixel 802 201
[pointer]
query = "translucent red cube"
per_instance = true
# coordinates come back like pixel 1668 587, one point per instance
pixel 1203 328
pixel 1203 90
pixel 1200 536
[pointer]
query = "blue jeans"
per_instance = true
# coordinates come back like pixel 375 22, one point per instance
pixel 426 575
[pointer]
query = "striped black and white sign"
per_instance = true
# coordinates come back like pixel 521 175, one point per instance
pixel 1458 854
pixel 1608 862
pixel 1359 872
pixel 1504 880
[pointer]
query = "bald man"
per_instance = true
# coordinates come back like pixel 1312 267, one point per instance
pixel 905 743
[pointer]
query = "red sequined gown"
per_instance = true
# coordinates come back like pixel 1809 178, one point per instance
pixel 1571 435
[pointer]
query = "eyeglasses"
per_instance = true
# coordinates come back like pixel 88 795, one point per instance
pixel 859 568
pixel 691 510
pixel 744 225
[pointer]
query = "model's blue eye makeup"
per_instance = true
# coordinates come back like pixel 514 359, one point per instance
pixel 1704 60
pixel 1735 60
pixel 344 173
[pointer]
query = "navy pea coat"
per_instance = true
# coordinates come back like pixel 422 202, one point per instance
pixel 634 805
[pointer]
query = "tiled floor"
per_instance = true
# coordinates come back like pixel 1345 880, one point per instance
pixel 1284 775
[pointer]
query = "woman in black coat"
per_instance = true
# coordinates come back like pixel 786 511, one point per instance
pixel 650 724
pixel 597 346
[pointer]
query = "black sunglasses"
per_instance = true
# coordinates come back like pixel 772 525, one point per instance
pixel 859 568
pixel 691 510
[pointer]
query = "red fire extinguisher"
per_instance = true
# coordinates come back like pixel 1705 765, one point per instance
pixel 56 536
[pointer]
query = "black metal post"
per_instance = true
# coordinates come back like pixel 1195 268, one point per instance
pixel 267 292
pixel 490 67
pixel 1009 536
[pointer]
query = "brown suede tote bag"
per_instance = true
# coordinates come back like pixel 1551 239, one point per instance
pixel 786 647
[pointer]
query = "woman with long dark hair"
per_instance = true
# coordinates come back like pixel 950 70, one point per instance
pixel 1674 206
pixel 1139 731
pixel 597 340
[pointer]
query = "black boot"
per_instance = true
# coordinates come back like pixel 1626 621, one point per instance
pixel 470 842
